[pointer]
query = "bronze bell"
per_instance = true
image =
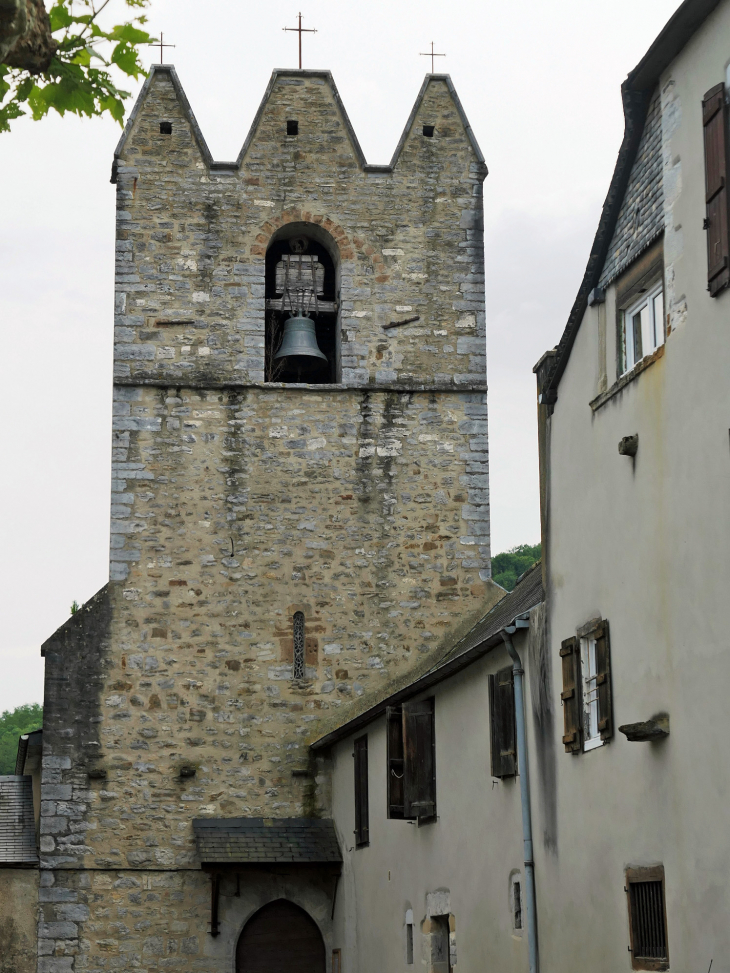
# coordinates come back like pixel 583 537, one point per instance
pixel 299 344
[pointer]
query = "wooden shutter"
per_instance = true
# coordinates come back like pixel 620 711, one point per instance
pixel 394 720
pixel 362 820
pixel 419 745
pixel 716 198
pixel 571 695
pixel 603 682
pixel 504 734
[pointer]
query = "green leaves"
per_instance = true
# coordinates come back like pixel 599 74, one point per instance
pixel 509 565
pixel 13 723
pixel 77 80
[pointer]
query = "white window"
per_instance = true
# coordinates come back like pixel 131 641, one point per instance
pixel 591 732
pixel 643 326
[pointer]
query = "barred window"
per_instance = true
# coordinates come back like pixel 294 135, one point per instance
pixel 298 667
pixel 647 918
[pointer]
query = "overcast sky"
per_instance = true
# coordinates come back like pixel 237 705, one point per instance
pixel 540 83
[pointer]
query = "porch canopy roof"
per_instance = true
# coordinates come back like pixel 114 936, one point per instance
pixel 267 841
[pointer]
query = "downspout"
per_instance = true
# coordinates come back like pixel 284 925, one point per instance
pixel 524 774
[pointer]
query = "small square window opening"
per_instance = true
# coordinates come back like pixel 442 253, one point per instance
pixel 643 327
pixel 165 128
pixel 292 127
pixel 428 131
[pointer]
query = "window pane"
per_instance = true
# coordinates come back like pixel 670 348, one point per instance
pixel 658 303
pixel 647 331
pixel 637 330
pixel 592 737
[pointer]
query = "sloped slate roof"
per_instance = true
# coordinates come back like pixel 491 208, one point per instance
pixel 528 593
pixel 525 596
pixel 636 92
pixel 255 841
pixel 17 822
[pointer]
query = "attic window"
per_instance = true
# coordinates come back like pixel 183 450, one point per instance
pixel 165 128
pixel 428 131
pixel 292 127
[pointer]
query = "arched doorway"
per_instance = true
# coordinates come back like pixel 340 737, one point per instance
pixel 280 938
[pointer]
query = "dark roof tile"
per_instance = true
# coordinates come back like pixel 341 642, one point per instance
pixel 266 840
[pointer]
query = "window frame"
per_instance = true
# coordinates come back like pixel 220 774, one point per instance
pixel 634 876
pixel 408 756
pixel 631 354
pixel 579 671
pixel 589 706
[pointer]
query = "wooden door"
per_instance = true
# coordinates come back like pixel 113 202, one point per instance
pixel 280 938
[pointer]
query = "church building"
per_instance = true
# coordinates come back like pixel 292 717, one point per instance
pixel 299 522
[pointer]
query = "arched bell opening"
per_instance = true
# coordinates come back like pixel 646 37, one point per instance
pixel 281 938
pixel 302 289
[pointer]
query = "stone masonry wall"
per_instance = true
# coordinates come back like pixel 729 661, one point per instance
pixel 237 503
pixel 191 241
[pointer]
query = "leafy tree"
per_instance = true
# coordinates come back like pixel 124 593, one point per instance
pixel 60 59
pixel 13 723
pixel 508 566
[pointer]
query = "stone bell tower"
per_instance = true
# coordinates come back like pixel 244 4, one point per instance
pixel 300 502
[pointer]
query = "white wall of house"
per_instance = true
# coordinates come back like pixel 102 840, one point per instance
pixel 644 543
pixel 460 864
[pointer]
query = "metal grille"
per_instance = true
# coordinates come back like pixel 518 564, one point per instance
pixel 647 920
pixel 298 667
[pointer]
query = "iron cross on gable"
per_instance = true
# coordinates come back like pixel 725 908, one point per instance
pixel 300 30
pixel 432 54
pixel 161 44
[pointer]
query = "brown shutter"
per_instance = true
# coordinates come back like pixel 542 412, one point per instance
pixel 603 682
pixel 420 764
pixel 394 720
pixel 362 822
pixel 502 711
pixel 571 695
pixel 718 242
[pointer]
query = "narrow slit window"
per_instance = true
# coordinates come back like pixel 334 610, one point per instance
pixel 409 937
pixel 298 667
pixel 517 904
pixel 165 128
pixel 292 127
pixel 428 131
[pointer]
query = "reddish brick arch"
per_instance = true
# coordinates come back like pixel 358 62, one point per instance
pixel 347 246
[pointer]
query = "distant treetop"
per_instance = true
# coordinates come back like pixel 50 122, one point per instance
pixel 13 724
pixel 508 566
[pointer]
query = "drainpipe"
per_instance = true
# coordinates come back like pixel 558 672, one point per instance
pixel 524 774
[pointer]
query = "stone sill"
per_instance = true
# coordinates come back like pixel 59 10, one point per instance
pixel 187 383
pixel 604 397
